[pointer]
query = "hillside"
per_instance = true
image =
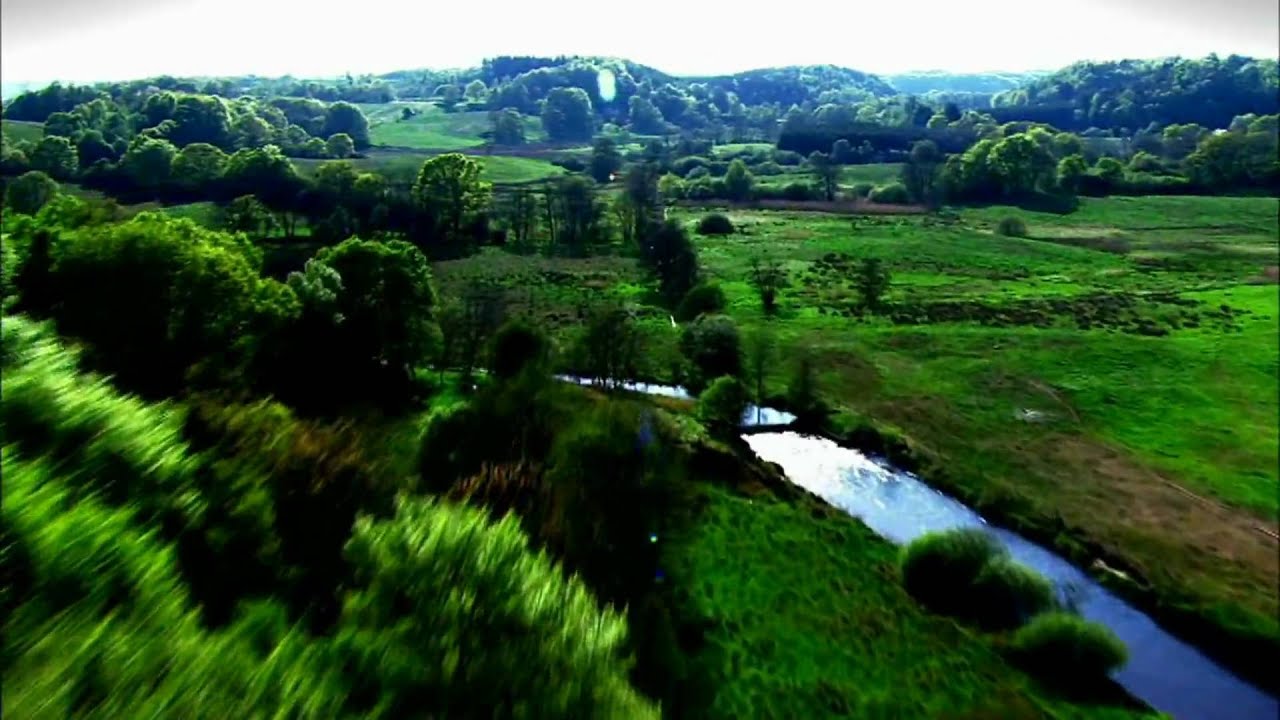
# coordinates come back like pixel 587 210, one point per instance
pixel 926 81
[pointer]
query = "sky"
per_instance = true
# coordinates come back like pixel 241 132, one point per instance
pixel 91 40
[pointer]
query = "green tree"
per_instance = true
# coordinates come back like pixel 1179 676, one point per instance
pixel 250 131
pixel 1071 170
pixel 574 214
pixel 56 157
pixel 343 117
pixel 827 173
pixel 609 347
pixel 567 115
pixel 200 118
pixel 872 282
pixel 738 181
pixel 264 172
pixel 247 215
pixel 644 117
pixel 768 278
pixel 761 347
pixel 198 166
pixel 475 91
pixel 91 147
pixel 29 192
pixel 712 345
pixel 340 145
pixel 605 159
pixel 722 405
pixel 1020 164
pixel 386 305
pixel 149 162
pixel 507 127
pixel 920 172
pixel 450 193
pixel 673 258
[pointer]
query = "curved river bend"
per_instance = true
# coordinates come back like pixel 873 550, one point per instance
pixel 1166 673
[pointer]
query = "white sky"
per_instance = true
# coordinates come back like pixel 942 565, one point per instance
pixel 42 40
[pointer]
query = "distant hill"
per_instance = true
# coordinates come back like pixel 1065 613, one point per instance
pixel 919 83
pixel 1134 93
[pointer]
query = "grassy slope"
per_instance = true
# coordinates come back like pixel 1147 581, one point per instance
pixel 432 128
pixel 810 621
pixel 17 131
pixel 403 167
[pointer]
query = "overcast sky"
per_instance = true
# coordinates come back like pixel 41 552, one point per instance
pixel 89 40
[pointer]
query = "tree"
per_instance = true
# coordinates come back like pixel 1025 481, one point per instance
pixel 451 194
pixel 574 214
pixel 644 117
pixel 672 257
pixel 920 172
pixel 475 91
pixel 250 130
pixel 508 127
pixel 264 172
pixel 198 167
pixel 1021 164
pixel 767 278
pixel 760 352
pixel 605 159
pixel 466 323
pixel 148 162
pixel 1109 169
pixel 1071 169
pixel 712 345
pixel 802 388
pixel 827 173
pixel 722 405
pixel 517 348
pixel 56 157
pixel 29 192
pixel 200 118
pixel 738 181
pixel 517 209
pixel 449 94
pixel 340 145
pixel 247 215
pixel 343 117
pixel 567 115
pixel 872 282
pixel 609 346
pixel 91 147
pixel 386 307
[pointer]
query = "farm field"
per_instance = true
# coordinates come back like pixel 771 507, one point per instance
pixel 1140 335
pixel 17 131
pixel 432 128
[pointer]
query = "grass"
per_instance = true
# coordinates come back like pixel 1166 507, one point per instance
pixel 19 131
pixel 433 128
pixel 809 620
pixel 1110 380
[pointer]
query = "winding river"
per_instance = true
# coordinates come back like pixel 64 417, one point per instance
pixel 1166 673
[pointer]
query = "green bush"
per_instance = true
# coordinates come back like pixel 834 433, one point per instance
pixel 891 194
pixel 799 191
pixel 715 224
pixel 863 189
pixel 517 347
pixel 703 299
pixel 939 569
pixel 1007 594
pixel 723 403
pixel 1012 227
pixel 1068 649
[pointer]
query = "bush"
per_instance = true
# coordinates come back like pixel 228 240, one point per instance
pixel 891 194
pixel 697 172
pixel 715 224
pixel 938 569
pixel 799 191
pixel 767 168
pixel 863 189
pixel 1068 649
pixel 722 405
pixel 704 299
pixel 1007 594
pixel 787 157
pixel 1012 227
pixel 686 165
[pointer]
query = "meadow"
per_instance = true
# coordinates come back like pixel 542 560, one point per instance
pixel 432 128
pixel 403 166
pixel 1107 383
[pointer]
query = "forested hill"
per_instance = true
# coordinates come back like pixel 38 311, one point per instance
pixel 1133 94
pixel 941 81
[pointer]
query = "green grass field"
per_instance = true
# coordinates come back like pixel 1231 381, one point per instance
pixel 810 621
pixel 433 128
pixel 18 131
pixel 1143 332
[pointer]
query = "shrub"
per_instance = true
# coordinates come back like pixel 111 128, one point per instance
pixel 715 224
pixel 704 299
pixel 1012 227
pixel 799 191
pixel 767 168
pixel 938 569
pixel 697 172
pixel 1006 594
pixel 686 165
pixel 722 405
pixel 1068 649
pixel 891 194
pixel 863 189
pixel 787 157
